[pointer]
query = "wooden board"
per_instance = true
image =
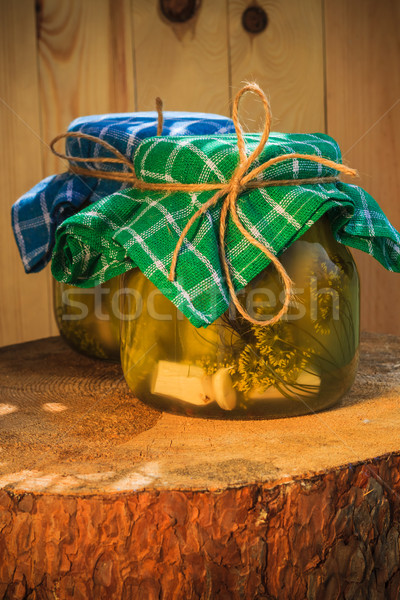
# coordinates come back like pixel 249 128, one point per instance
pixel 286 60
pixel 102 497
pixel 25 311
pixel 363 113
pixel 79 430
pixel 186 64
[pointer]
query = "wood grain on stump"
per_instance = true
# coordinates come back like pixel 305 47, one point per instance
pixel 103 497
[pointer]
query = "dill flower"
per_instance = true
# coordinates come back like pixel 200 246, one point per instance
pixel 252 371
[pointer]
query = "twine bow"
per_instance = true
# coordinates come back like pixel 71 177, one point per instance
pixel 240 180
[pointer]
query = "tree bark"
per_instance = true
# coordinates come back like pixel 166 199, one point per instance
pixel 102 497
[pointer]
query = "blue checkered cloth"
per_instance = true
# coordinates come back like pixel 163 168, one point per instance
pixel 38 213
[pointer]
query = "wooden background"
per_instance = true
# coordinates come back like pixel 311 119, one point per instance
pixel 330 65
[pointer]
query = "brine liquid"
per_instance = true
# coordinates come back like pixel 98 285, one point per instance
pixel 233 369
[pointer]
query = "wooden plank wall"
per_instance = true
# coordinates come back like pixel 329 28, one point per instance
pixel 363 114
pixel 325 65
pixel 25 309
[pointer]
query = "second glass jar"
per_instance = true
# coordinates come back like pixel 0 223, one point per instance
pixel 88 319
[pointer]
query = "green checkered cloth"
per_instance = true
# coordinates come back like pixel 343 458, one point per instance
pixel 134 228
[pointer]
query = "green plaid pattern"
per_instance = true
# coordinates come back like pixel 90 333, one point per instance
pixel 134 228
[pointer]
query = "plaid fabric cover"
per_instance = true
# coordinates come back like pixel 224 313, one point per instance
pixel 36 215
pixel 138 228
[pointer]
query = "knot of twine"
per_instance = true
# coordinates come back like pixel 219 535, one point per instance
pixel 242 179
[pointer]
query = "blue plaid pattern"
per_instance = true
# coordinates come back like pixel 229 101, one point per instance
pixel 38 213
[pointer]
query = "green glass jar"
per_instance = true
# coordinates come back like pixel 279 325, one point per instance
pixel 232 369
pixel 88 319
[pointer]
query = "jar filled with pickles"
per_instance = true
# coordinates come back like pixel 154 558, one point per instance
pixel 235 369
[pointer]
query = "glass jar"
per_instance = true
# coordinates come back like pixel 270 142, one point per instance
pixel 232 369
pixel 88 319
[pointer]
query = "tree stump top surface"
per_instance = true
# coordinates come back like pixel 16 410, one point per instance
pixel 70 425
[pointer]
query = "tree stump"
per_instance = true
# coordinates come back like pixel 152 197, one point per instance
pixel 102 497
